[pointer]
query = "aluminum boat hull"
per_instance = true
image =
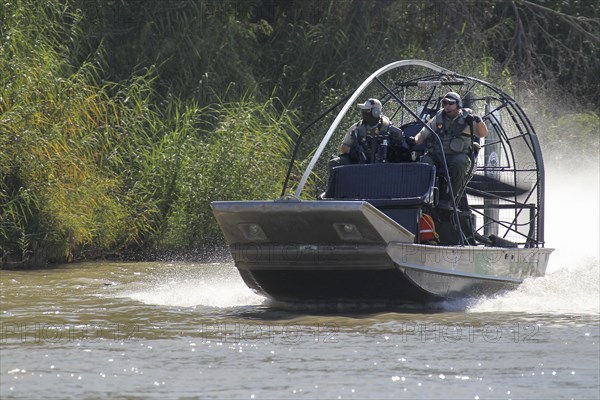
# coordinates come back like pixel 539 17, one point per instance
pixel 349 251
pixel 362 240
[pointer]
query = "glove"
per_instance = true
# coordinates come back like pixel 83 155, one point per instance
pixel 411 141
pixel 470 118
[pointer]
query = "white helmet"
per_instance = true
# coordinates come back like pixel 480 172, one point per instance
pixel 372 104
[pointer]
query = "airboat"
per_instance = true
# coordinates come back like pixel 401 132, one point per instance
pixel 355 234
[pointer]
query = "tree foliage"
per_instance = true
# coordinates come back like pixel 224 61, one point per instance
pixel 121 120
pixel 544 43
pixel 299 48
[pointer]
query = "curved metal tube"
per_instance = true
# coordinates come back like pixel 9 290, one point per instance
pixel 351 100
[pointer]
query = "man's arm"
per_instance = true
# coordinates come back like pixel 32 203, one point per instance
pixel 348 141
pixel 423 134
pixel 481 128
pixel 419 138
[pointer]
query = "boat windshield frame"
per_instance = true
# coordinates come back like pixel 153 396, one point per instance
pixel 535 236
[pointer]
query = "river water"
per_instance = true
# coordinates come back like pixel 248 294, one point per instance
pixel 190 330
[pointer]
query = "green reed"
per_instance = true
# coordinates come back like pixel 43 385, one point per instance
pixel 120 124
pixel 89 167
pixel 243 154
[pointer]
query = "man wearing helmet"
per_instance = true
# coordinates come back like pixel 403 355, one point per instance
pixel 362 140
pixel 456 126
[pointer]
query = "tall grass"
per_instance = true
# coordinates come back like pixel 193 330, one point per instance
pixel 51 114
pixel 121 121
pixel 69 145
pixel 242 155
pixel 89 167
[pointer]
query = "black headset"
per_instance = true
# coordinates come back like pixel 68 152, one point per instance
pixel 375 111
pixel 458 101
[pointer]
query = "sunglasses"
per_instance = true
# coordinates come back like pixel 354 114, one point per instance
pixel 446 102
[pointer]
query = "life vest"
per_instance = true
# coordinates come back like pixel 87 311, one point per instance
pixel 362 130
pixel 365 138
pixel 427 231
pixel 452 133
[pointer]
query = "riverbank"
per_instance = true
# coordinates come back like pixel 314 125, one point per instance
pixel 204 254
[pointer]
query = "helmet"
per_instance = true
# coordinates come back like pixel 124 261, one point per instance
pixel 455 97
pixel 372 104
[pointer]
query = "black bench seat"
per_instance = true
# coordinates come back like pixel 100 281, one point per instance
pixel 399 190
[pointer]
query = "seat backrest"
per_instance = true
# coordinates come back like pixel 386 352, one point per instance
pixel 382 181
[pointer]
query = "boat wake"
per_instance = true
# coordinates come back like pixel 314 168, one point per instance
pixel 566 290
pixel 571 285
pixel 217 285
pixel 572 281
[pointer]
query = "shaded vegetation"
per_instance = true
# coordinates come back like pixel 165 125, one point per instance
pixel 121 120
pixel 242 157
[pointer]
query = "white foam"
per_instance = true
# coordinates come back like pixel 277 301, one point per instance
pixel 572 282
pixel 198 287
pixel 573 290
pixel 570 286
